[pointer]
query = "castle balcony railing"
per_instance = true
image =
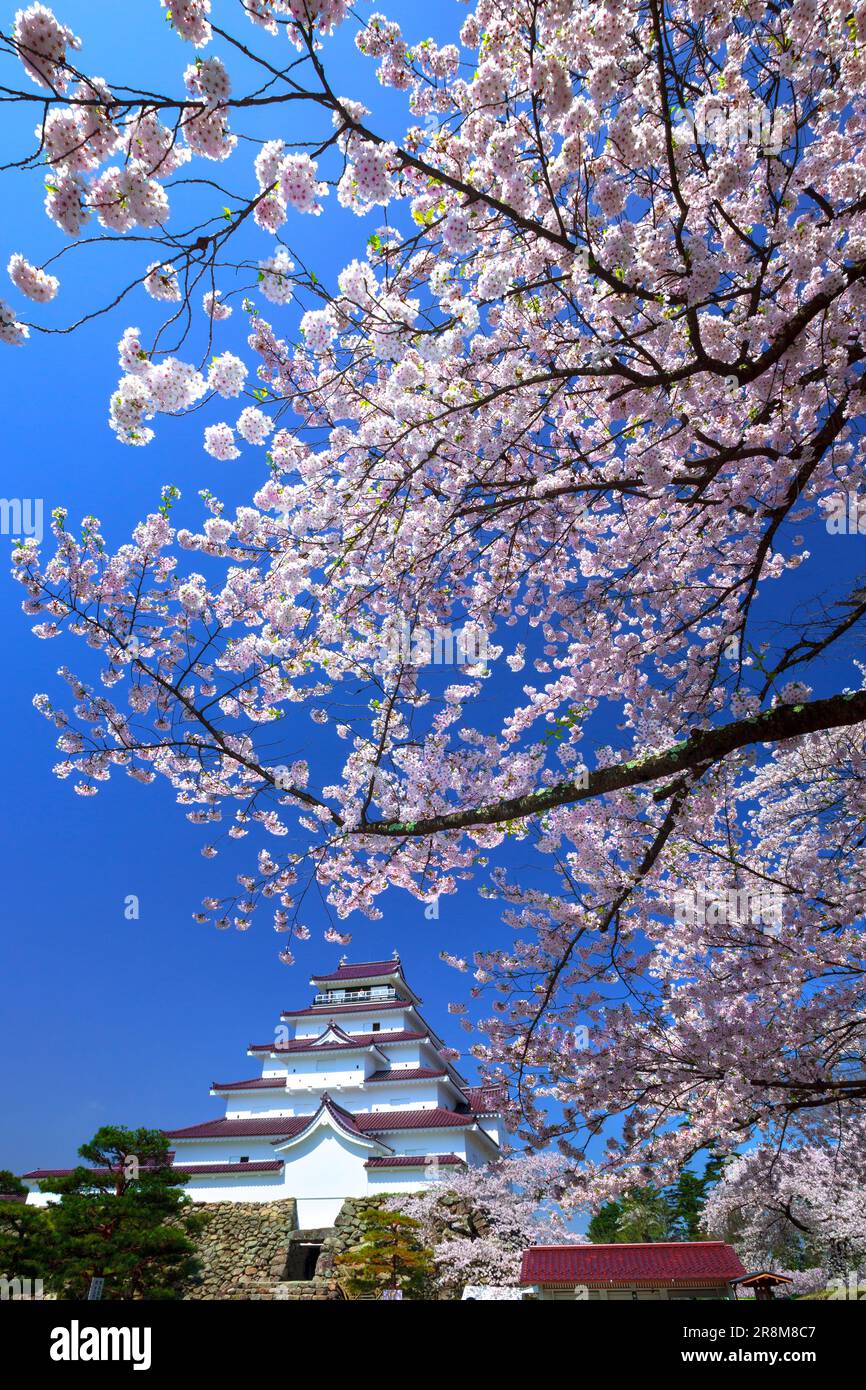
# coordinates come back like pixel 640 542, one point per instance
pixel 374 994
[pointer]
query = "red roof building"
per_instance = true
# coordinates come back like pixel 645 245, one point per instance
pixel 664 1270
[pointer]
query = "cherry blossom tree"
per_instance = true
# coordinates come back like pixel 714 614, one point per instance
pixel 480 1220
pixel 801 1210
pixel 584 393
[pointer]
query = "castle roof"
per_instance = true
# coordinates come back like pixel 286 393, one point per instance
pixel 363 970
pixel 416 1161
pixel 353 1042
pixel 287 1126
pixel 407 1074
pixel 269 1165
pixel 255 1083
pixel 486 1100
pixel 346 1006
pixel 346 995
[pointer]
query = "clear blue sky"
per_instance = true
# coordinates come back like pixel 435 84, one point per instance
pixel 106 1020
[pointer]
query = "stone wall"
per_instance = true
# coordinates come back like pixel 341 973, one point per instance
pixel 241 1248
pixel 345 1232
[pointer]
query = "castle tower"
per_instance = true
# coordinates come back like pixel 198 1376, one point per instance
pixel 355 1096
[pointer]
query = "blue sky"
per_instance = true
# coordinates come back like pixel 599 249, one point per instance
pixel 115 1021
pixel 108 1020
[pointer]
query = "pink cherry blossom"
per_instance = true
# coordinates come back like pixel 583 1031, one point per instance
pixel 214 306
pixel 275 281
pixel 32 281
pixel 253 425
pixel 577 416
pixel 190 19
pixel 298 185
pixel 161 282
pixel 219 442
pixel 11 331
pixel 41 41
pixel 227 375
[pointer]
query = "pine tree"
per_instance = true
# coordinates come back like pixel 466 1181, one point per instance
pixel 651 1213
pixel 11 1185
pixel 687 1198
pixel 25 1242
pixel 119 1219
pixel 389 1256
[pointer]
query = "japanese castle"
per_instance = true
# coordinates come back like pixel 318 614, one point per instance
pixel 355 1096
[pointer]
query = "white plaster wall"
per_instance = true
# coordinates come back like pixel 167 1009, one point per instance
pixel 381 1180
pixel 491 1126
pixel 256 1149
pixel 418 1142
pixel 330 1069
pixel 477 1151
pixel 389 1020
pixel 406 1054
pixel 347 1088
pixel 314 1212
pixel 322 1170
pixel 256 1188
pixel 40 1199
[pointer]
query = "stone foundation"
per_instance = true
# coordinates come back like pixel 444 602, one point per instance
pixel 240 1247
pixel 245 1248
pixel 345 1232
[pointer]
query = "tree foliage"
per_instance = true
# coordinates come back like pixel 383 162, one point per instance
pixel 389 1256
pixel 479 1220
pixel 801 1211
pixel 120 1220
pixel 649 1213
pixel 588 392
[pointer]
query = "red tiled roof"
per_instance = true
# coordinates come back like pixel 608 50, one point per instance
pixel 64 1172
pixel 486 1100
pixel 666 1264
pixel 347 1007
pixel 383 1120
pixel 343 1117
pixel 256 1083
pixel 268 1165
pixel 414 1161
pixel 257 1126
pixel 287 1126
pixel 364 970
pixel 97 1172
pixel 296 1045
pixel 406 1074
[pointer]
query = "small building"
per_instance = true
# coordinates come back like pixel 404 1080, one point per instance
pixel 356 1095
pixel 762 1284
pixel 683 1269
